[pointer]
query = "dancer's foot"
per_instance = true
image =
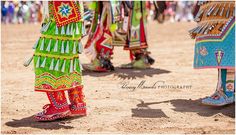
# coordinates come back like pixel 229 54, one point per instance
pixel 136 64
pixel 97 65
pixel 50 113
pixel 218 99
pixel 78 109
pixel 141 63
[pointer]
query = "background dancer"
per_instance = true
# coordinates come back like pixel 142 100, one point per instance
pixel 136 41
pixel 99 45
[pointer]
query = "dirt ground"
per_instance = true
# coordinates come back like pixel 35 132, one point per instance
pixel 114 106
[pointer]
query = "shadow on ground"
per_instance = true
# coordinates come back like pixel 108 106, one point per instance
pixel 128 73
pixel 144 110
pixel 148 113
pixel 183 105
pixel 31 122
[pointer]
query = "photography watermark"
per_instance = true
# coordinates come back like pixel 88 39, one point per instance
pixel 132 86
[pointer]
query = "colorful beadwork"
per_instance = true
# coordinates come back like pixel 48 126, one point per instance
pixel 215 35
pixel 65 12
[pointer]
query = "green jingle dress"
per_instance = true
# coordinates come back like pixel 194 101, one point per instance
pixel 56 57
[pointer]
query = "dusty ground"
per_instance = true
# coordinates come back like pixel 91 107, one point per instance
pixel 112 109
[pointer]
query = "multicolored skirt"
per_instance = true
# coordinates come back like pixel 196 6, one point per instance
pixel 136 38
pixel 100 37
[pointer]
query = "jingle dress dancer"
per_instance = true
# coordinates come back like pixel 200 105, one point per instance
pixel 56 60
pixel 215 47
pixel 136 41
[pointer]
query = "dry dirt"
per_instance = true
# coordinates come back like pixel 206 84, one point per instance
pixel 111 108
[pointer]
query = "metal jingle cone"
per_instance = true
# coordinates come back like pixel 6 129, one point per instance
pixel 216 11
pixel 222 11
